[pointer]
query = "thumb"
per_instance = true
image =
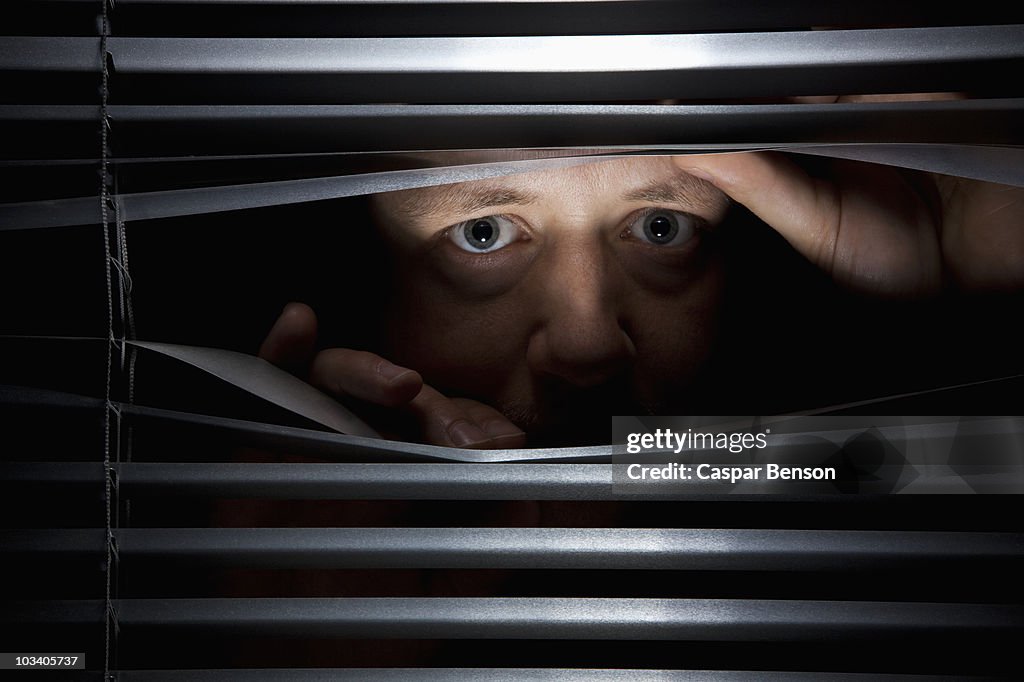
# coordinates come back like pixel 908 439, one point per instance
pixel 289 345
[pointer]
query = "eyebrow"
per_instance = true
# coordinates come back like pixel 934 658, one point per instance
pixel 683 189
pixel 461 199
pixel 466 198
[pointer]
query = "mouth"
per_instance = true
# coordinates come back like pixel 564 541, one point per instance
pixel 559 415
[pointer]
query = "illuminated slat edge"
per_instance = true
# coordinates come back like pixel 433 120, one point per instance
pixel 547 68
pixel 539 618
pixel 179 130
pixel 990 163
pixel 335 481
pixel 559 548
pixel 515 675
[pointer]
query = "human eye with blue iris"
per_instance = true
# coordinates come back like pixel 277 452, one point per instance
pixel 485 234
pixel 657 227
pixel 662 227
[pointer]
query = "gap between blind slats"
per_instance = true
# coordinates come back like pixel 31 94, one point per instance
pixel 497 17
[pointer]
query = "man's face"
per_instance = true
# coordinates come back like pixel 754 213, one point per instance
pixel 558 297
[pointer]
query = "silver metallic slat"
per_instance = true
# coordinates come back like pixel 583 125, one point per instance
pixel 524 68
pixel 591 482
pixel 989 163
pixel 542 618
pixel 47 473
pixel 48 55
pixel 559 548
pixel 517 675
pixel 563 54
pixel 254 129
pixel 51 473
pixel 341 447
pixel 377 481
pixel 497 126
pixel 164 204
pixel 334 481
pixel 328 444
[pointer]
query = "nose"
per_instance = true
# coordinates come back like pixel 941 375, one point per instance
pixel 580 338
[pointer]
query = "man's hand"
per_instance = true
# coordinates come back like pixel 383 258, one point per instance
pixel 426 415
pixel 879 229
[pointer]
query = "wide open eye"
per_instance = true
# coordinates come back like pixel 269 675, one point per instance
pixel 662 227
pixel 483 235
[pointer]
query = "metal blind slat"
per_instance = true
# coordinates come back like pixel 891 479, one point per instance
pixel 337 481
pixel 175 131
pixel 563 68
pixel 562 548
pixel 542 618
pixel 519 675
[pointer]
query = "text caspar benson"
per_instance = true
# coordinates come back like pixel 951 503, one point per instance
pixel 728 474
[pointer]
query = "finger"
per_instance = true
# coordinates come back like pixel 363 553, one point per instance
pixel 868 225
pixel 364 376
pixel 982 242
pixel 501 432
pixel 802 209
pixel 445 422
pixel 289 344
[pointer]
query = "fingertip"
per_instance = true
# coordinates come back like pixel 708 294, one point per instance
pixel 688 166
pixel 730 172
pixel 494 431
pixel 734 171
pixel 463 433
pixel 399 385
pixel 292 337
pixel 503 434
pixel 298 319
pixel 389 371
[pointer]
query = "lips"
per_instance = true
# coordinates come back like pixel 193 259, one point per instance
pixel 560 414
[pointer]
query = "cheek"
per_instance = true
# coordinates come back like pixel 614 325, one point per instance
pixel 674 335
pixel 467 347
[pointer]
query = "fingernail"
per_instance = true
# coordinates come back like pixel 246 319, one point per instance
pixel 496 428
pixel 391 371
pixel 464 433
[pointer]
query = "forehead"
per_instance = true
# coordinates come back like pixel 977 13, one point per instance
pixel 637 179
